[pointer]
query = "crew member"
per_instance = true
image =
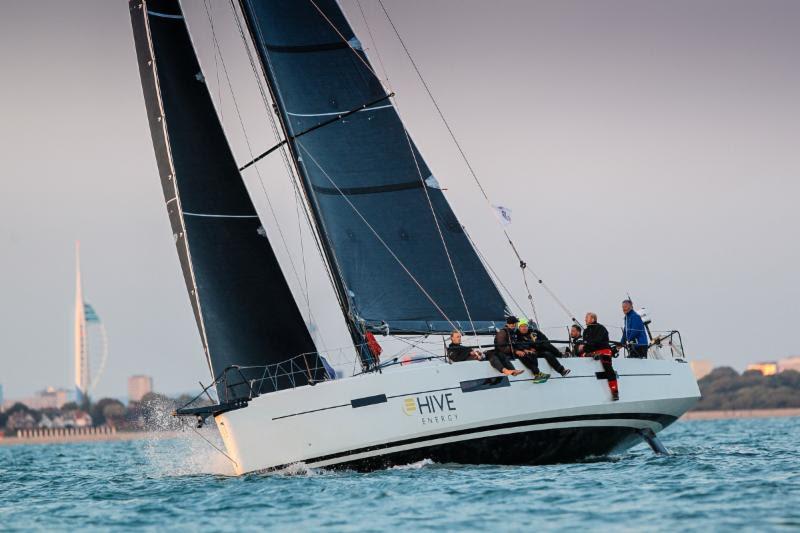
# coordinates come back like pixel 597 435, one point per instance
pixel 595 339
pixel 503 352
pixel 634 334
pixel 575 348
pixel 528 344
pixel 458 352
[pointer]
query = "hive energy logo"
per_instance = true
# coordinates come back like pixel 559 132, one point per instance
pixel 431 409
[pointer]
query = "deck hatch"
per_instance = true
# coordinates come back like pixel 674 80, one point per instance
pixel 474 385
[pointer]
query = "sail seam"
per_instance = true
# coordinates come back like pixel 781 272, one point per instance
pixel 305 48
pixel 377 236
pixel 374 189
pixel 345 40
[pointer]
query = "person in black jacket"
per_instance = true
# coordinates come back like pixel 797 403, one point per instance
pixel 596 344
pixel 530 343
pixel 575 341
pixel 458 352
pixel 503 352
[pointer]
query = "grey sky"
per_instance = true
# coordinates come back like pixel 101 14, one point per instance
pixel 648 147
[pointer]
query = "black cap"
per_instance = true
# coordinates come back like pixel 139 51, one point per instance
pixel 512 320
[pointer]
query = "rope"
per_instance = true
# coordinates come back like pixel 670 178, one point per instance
pixel 214 446
pixel 287 165
pixel 416 164
pixel 329 263
pixel 216 64
pixel 375 46
pixel 472 172
pixel 339 33
pixel 377 236
pixel 492 271
pixel 439 230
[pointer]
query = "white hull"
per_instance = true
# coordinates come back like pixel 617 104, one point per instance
pixel 428 410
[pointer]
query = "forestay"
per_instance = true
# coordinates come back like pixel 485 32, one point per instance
pixel 386 223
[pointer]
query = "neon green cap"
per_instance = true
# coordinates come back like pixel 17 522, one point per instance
pixel 522 322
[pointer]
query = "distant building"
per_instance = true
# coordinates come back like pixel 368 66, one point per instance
pixel 767 368
pixel 138 386
pixel 49 398
pixel 701 368
pixel 788 363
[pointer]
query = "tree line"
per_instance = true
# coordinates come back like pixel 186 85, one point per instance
pixel 725 389
pixel 152 413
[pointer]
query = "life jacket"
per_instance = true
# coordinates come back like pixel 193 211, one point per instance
pixel 374 347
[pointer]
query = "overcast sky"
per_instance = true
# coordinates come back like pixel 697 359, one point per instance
pixel 644 147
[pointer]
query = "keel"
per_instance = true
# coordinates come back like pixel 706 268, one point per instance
pixel 649 436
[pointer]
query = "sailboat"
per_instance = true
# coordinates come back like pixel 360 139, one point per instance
pixel 399 262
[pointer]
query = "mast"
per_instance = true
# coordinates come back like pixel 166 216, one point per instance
pixel 354 328
pixel 401 261
pixel 81 353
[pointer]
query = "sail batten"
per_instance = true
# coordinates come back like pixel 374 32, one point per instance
pixel 245 311
pixel 404 262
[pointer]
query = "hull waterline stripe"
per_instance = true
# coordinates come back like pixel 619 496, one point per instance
pixel 662 419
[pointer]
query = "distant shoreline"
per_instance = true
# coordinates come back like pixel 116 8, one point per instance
pixel 104 437
pixel 740 413
pixel 157 435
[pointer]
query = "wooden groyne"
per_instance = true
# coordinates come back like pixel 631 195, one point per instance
pixel 87 434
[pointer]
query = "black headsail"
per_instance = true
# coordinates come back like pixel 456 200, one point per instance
pixel 244 308
pixel 388 227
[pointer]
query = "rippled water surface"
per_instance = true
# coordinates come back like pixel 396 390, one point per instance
pixel 723 474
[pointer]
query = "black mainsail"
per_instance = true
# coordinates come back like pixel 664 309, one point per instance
pixel 242 303
pixel 403 260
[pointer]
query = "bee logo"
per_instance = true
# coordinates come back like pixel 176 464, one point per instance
pixel 410 406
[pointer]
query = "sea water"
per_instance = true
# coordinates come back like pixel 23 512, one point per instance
pixel 722 475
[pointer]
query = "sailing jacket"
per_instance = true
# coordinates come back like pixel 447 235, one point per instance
pixel 574 349
pixel 633 331
pixel 595 339
pixel 459 352
pixel 503 341
pixel 533 340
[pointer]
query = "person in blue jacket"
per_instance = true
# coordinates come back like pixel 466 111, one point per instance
pixel 634 334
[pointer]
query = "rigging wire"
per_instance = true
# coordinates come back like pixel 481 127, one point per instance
pixel 349 44
pixel 375 46
pixel 329 263
pixel 472 172
pixel 492 272
pixel 439 230
pixel 376 234
pixel 258 173
pixel 216 63
pixel 213 445
pixel 419 173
